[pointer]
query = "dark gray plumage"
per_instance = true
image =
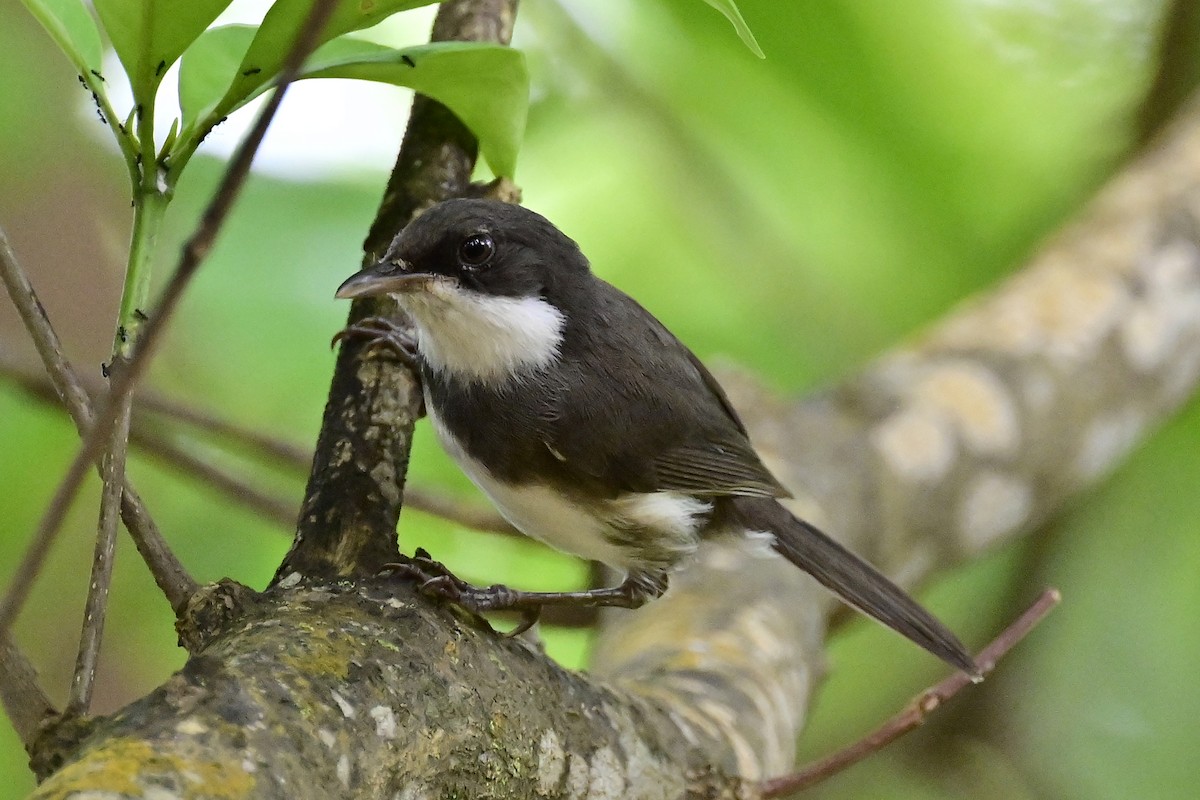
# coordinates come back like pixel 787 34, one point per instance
pixel 587 422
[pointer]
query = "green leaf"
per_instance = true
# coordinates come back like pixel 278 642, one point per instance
pixel 206 70
pixel 264 58
pixel 150 35
pixel 72 29
pixel 730 10
pixel 485 85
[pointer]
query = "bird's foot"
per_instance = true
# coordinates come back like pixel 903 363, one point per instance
pixel 438 581
pixel 381 333
pixel 435 580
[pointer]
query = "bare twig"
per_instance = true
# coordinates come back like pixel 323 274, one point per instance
pixel 24 701
pixel 167 571
pixel 193 255
pixel 274 509
pixel 283 453
pixel 290 456
pixel 63 377
pixel 454 510
pixel 916 712
pixel 95 610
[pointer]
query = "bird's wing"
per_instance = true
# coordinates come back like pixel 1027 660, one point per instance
pixel 656 418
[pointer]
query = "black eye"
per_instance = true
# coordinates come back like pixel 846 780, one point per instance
pixel 476 250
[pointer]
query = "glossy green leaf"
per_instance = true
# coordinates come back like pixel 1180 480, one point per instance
pixel 485 85
pixel 207 67
pixel 264 57
pixel 150 35
pixel 72 29
pixel 730 10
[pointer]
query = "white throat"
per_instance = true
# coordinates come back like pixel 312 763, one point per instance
pixel 481 337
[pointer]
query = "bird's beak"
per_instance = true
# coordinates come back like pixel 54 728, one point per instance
pixel 386 277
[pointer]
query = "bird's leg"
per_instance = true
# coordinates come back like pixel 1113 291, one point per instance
pixel 635 591
pixel 382 333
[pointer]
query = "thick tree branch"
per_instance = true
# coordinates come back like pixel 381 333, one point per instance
pixel 352 502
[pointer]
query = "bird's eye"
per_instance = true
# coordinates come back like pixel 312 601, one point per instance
pixel 476 250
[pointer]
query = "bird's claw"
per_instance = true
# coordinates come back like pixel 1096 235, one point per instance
pixel 381 333
pixel 423 569
pixel 435 580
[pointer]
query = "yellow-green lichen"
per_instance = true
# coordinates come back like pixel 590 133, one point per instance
pixel 126 767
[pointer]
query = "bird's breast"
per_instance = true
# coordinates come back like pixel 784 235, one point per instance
pixel 634 530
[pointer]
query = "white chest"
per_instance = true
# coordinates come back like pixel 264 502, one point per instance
pixel 485 338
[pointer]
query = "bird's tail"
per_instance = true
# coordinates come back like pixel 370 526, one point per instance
pixel 853 579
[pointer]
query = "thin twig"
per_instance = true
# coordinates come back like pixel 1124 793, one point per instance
pixel 95 609
pixel 283 453
pixel 63 377
pixel 290 456
pixel 176 584
pixel 286 454
pixel 451 509
pixel 24 701
pixel 921 707
pixel 193 255
pixel 274 509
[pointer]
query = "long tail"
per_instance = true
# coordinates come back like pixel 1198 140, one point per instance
pixel 853 579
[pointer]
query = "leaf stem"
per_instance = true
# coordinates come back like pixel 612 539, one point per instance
pixel 94 83
pixel 149 207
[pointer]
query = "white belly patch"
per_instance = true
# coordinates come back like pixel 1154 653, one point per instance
pixel 615 532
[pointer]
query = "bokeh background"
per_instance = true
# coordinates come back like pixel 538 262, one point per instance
pixel 794 215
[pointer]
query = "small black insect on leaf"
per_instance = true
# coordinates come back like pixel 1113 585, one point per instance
pixel 140 315
pixel 104 369
pixel 98 75
pixel 408 60
pixel 251 71
pixel 159 69
pixel 121 333
pixel 82 82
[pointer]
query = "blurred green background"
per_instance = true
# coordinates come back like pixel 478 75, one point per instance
pixel 794 215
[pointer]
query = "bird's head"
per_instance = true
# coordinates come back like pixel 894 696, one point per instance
pixel 488 284
pixel 478 247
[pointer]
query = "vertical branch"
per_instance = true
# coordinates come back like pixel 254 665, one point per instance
pixel 352 503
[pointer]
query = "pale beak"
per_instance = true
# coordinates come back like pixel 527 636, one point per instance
pixel 386 277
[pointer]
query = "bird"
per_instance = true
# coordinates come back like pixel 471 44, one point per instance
pixel 588 424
